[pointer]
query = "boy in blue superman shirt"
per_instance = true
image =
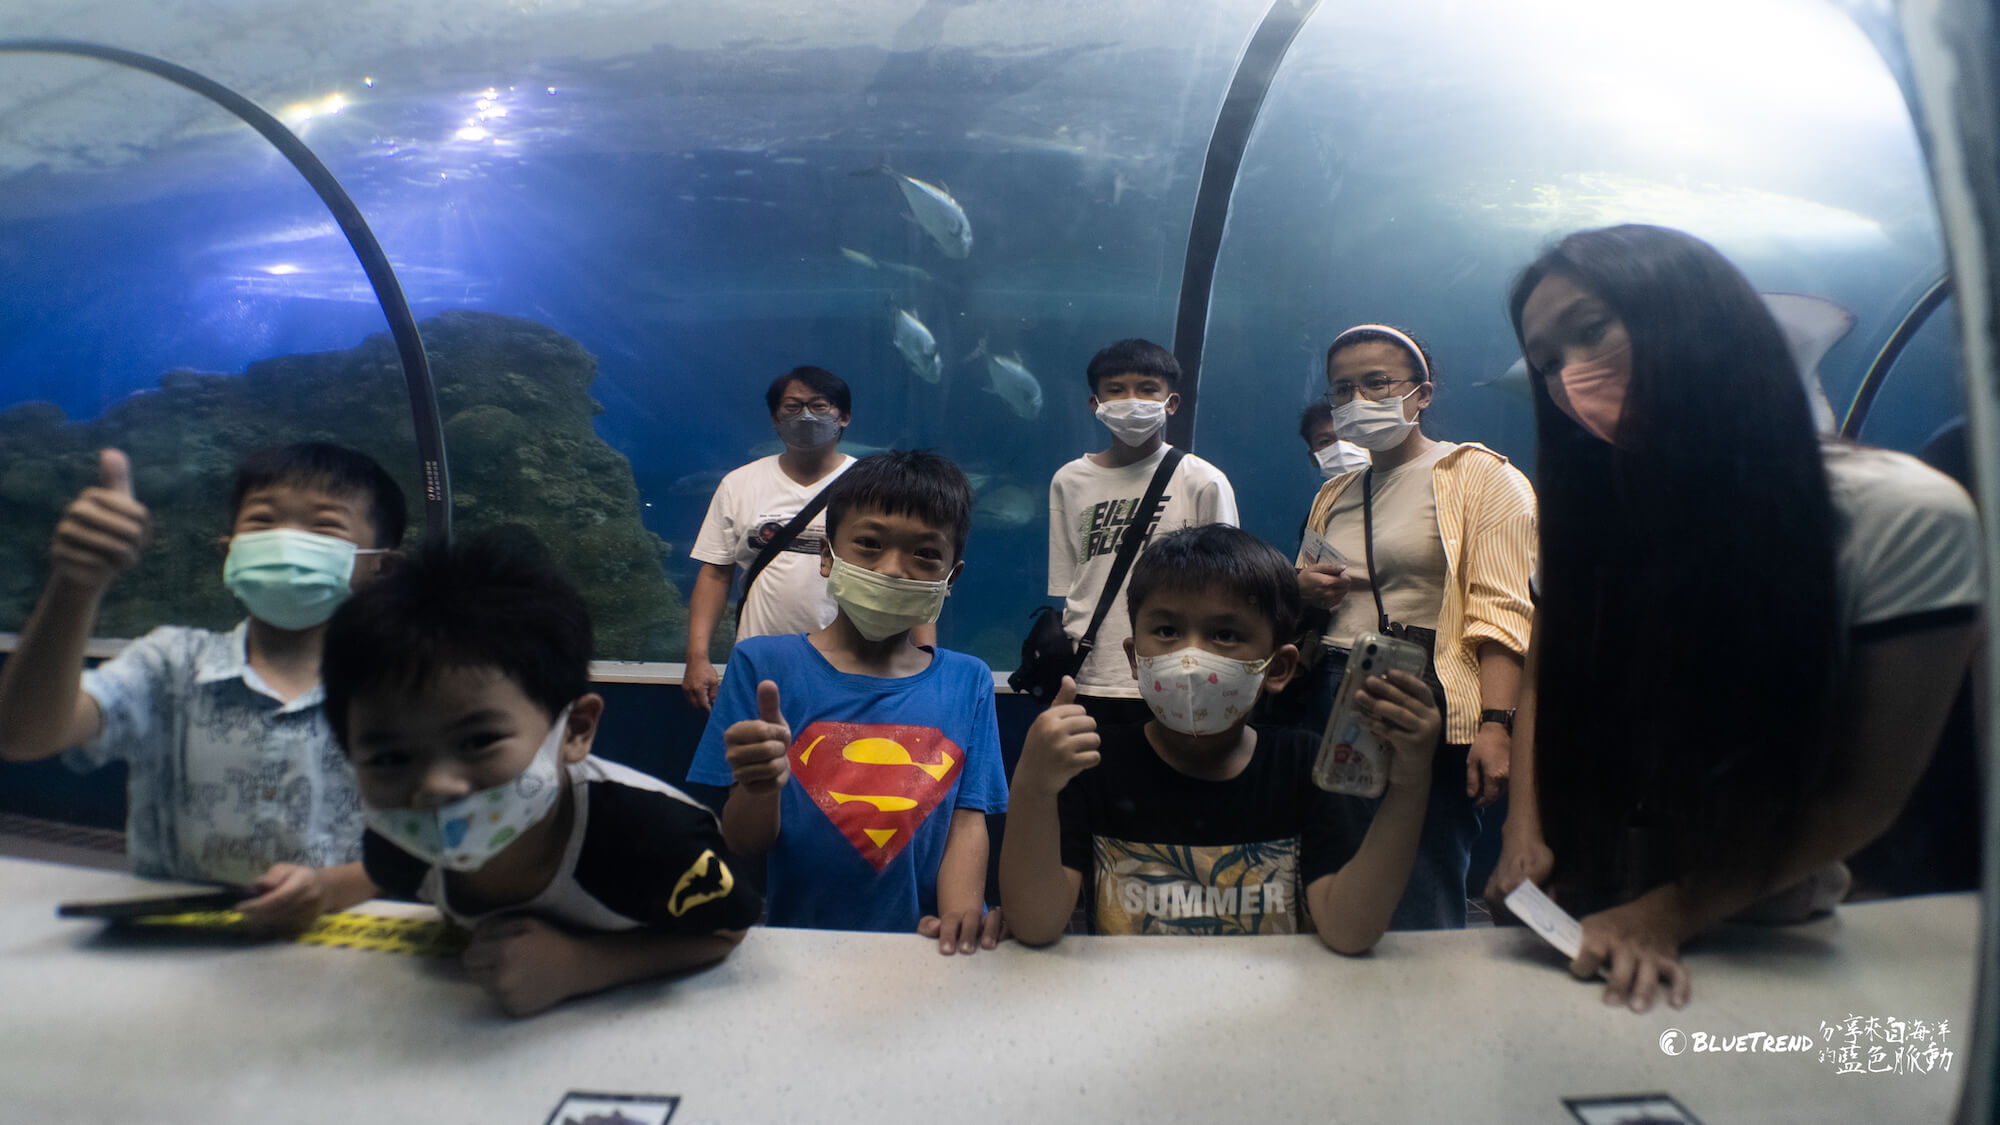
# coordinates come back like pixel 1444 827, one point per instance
pixel 859 762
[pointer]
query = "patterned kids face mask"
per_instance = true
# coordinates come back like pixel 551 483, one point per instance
pixel 470 831
pixel 1194 691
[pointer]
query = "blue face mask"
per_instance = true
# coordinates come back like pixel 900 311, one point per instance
pixel 289 578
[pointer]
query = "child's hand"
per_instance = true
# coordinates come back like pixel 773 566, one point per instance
pixel 526 964
pixel 757 749
pixel 964 931
pixel 289 899
pixel 1398 707
pixel 103 530
pixel 1061 743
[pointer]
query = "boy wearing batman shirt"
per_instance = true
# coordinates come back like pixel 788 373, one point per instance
pixel 1197 822
pixel 868 779
pixel 460 687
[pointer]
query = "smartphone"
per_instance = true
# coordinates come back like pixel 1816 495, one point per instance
pixel 125 909
pixel 1352 759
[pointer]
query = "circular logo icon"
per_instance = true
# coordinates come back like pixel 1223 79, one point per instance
pixel 1672 1042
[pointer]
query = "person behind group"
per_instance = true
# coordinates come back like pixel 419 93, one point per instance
pixel 1093 501
pixel 459 685
pixel 1747 636
pixel 810 408
pixel 1330 454
pixel 862 763
pixel 233 775
pixel 1453 544
pixel 1197 822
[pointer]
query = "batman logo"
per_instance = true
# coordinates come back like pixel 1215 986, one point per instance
pixel 705 880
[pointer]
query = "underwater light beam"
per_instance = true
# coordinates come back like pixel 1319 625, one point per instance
pixel 388 291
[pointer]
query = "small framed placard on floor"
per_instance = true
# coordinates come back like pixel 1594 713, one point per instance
pixel 585 1107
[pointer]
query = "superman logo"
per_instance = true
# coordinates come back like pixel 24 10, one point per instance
pixel 877 783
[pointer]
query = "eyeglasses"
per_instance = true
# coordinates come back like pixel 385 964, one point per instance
pixel 792 408
pixel 1374 387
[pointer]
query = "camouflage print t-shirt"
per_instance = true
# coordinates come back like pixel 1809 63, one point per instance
pixel 1165 853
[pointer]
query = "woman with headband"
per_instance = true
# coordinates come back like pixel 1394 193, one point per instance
pixel 1437 540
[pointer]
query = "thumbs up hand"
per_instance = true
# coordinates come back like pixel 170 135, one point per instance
pixel 1061 744
pixel 758 749
pixel 103 530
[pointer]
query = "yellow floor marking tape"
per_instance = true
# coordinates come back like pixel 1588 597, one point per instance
pixel 425 938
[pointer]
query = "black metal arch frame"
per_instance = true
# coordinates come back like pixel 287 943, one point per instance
pixel 388 291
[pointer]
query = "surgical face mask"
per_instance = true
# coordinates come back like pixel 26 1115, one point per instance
pixel 1132 420
pixel 470 831
pixel 1593 393
pixel 1340 458
pixel 881 606
pixel 289 578
pixel 1374 425
pixel 807 430
pixel 1194 691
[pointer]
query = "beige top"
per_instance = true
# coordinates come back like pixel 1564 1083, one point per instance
pixel 1408 550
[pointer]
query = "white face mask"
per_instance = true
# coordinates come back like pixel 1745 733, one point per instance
pixel 881 606
pixel 1194 691
pixel 468 832
pixel 1371 424
pixel 1132 420
pixel 1340 458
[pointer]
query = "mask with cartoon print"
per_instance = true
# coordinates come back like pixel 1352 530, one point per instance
pixel 467 833
pixel 1194 691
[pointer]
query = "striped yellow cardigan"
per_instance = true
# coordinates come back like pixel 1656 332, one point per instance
pixel 1486 519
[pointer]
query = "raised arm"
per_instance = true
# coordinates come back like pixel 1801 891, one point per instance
pixel 1039 893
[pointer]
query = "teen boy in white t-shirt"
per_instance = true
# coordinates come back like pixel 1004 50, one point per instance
pixel 1092 500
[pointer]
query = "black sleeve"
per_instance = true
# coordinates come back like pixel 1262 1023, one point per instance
pixel 660 861
pixel 1073 812
pixel 396 873
pixel 1333 824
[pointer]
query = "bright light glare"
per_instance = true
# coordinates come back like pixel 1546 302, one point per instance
pixel 301 112
pixel 473 133
pixel 281 269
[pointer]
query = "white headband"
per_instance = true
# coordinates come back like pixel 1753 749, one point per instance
pixel 1396 334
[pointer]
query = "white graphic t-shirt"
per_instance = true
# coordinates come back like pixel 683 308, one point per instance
pixel 751 505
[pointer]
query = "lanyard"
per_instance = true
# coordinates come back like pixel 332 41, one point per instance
pixel 1368 547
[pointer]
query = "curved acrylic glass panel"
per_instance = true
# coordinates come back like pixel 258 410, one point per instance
pixel 664 190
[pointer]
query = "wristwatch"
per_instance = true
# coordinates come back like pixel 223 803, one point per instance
pixel 1504 718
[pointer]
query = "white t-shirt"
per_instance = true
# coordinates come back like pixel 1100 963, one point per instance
pixel 751 505
pixel 1089 506
pixel 1408 549
pixel 1910 542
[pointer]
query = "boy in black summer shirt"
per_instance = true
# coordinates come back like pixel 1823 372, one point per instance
pixel 1197 822
pixel 459 687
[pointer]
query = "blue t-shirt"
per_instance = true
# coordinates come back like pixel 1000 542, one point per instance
pixel 878 766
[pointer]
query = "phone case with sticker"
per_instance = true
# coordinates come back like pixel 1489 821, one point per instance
pixel 1352 760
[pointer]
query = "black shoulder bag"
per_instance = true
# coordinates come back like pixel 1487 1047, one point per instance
pixel 779 542
pixel 1047 655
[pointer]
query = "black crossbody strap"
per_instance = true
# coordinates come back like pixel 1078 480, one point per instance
pixel 1368 546
pixel 1128 549
pixel 779 542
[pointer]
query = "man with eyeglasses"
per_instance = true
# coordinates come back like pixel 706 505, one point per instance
pixel 810 409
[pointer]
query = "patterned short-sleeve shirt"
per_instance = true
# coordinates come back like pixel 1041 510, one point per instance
pixel 224 777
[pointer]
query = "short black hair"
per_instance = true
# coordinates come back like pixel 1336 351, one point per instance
pixel 911 482
pixel 822 382
pixel 335 468
pixel 1134 357
pixel 1313 417
pixel 1216 555
pixel 495 600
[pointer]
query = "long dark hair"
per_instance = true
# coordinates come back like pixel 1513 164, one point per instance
pixel 1689 631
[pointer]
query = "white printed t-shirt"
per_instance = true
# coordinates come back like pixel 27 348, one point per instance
pixel 1089 508
pixel 751 505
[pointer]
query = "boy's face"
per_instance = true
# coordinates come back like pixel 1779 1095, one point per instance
pixel 467 730
pixel 1212 619
pixel 339 515
pixel 1111 388
pixel 896 545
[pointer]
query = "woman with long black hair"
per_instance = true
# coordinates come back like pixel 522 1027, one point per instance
pixel 1746 636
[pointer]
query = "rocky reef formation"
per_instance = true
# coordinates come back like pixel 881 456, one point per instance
pixel 515 396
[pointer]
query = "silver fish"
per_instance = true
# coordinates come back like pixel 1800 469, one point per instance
pixel 933 209
pixel 1812 326
pixel 1012 381
pixel 858 258
pixel 1010 505
pixel 918 346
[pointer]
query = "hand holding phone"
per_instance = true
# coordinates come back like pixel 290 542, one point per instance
pixel 1353 759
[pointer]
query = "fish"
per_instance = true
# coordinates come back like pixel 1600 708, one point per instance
pixel 1812 326
pixel 1012 381
pixel 852 449
pixel 1010 505
pixel 918 346
pixel 933 209
pixel 866 262
pixel 858 258
pixel 703 483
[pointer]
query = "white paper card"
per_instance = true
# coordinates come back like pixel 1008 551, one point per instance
pixel 1314 549
pixel 1544 917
